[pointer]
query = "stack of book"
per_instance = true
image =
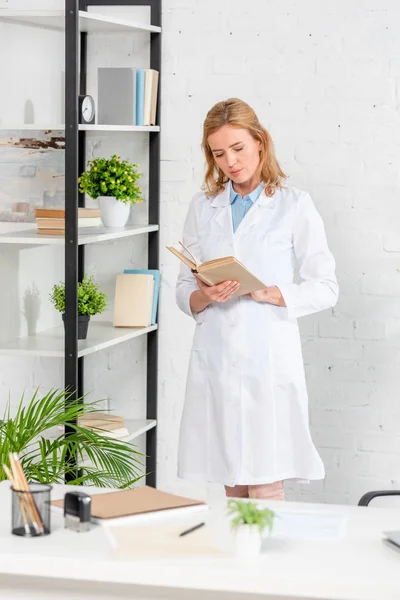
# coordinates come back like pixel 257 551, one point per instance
pixel 136 298
pixel 105 424
pixel 146 96
pixel 51 221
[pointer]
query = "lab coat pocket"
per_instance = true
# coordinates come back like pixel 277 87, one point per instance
pixel 202 333
pixel 193 437
pixel 195 410
pixel 201 316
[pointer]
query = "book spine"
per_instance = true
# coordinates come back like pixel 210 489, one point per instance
pixel 140 97
pixel 134 100
pixel 154 95
pixel 147 96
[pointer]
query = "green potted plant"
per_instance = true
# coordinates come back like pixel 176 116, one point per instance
pixel 36 432
pixel 114 183
pixel 249 522
pixel 91 301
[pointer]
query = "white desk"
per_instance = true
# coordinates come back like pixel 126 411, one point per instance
pixel 80 567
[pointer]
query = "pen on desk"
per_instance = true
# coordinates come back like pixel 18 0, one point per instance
pixel 191 529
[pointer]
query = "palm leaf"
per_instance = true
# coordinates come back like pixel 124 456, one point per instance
pixel 104 461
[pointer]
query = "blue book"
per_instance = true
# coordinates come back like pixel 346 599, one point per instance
pixel 157 279
pixel 139 96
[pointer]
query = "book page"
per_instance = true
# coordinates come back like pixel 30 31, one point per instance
pixel 218 261
pixel 133 300
pixel 188 262
pixel 194 259
pixel 216 272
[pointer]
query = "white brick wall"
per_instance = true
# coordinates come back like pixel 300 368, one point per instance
pixel 325 81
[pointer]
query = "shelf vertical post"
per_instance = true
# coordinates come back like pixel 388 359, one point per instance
pixel 81 197
pixel 71 201
pixel 153 251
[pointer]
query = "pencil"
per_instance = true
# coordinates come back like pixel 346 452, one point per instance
pixel 20 498
pixel 23 487
pixel 191 529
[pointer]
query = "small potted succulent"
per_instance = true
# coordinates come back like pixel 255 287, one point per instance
pixel 114 183
pixel 249 522
pixel 91 301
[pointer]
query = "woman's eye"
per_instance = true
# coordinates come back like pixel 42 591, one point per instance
pixel 239 149
pixel 218 155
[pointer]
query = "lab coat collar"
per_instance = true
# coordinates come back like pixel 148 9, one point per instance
pixel 223 198
pixel 253 196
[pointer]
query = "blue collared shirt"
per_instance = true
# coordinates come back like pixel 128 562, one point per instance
pixel 240 206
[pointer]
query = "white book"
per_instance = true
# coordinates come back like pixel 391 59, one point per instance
pixel 133 304
pixel 148 80
pixel 151 77
pixel 114 433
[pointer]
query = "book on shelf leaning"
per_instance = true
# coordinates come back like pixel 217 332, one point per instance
pixel 213 272
pixel 116 95
pixel 150 96
pixel 133 301
pixel 157 281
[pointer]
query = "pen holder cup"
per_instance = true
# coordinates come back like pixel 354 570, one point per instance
pixel 31 510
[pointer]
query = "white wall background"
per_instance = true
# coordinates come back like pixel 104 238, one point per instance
pixel 324 80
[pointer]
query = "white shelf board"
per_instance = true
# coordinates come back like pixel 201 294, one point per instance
pixel 50 343
pixel 31 127
pixel 137 427
pixel 60 127
pixel 88 21
pixel 88 235
pixel 130 128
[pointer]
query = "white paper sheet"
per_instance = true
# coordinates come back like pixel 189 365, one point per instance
pixel 160 541
pixel 307 525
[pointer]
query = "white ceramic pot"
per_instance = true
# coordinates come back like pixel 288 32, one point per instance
pixel 248 540
pixel 113 212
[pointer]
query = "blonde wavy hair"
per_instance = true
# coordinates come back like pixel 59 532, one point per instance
pixel 237 113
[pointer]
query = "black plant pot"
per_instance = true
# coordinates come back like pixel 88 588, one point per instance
pixel 83 324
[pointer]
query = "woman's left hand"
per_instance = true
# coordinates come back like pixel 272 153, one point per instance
pixel 271 295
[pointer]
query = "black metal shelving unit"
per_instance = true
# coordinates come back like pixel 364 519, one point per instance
pixel 75 160
pixel 76 23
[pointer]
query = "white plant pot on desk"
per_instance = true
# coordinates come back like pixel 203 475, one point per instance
pixel 248 541
pixel 113 212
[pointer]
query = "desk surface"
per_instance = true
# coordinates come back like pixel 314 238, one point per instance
pixel 359 567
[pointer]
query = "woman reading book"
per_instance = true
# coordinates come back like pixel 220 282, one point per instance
pixel 245 419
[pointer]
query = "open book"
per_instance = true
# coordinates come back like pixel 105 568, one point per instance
pixel 218 270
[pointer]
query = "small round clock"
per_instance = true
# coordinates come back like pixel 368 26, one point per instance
pixel 86 109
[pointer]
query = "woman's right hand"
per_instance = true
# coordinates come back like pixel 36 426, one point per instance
pixel 218 293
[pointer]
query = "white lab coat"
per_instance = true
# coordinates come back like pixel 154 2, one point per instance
pixel 245 418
